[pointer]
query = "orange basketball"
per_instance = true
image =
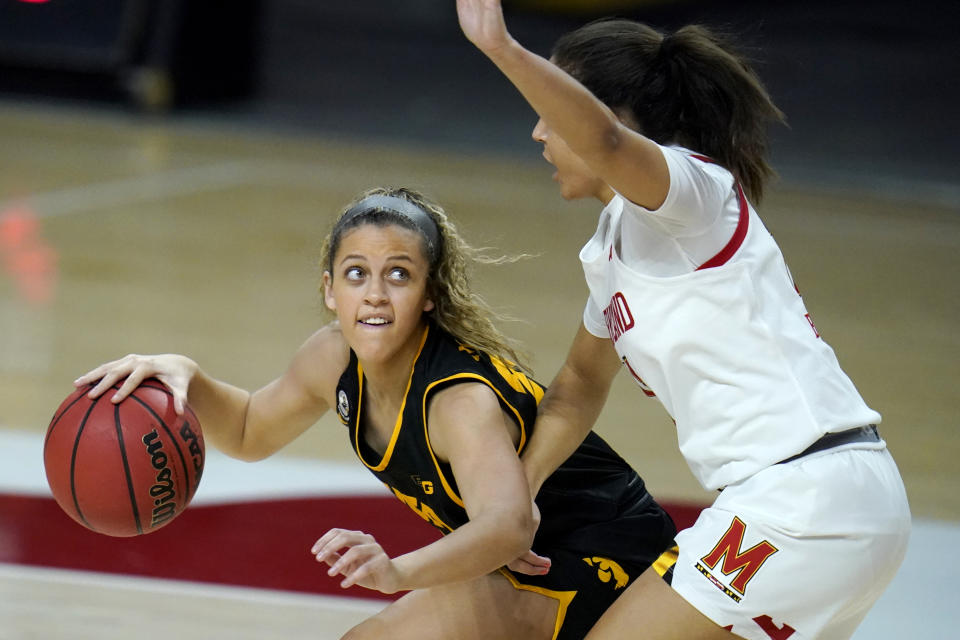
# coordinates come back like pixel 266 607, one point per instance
pixel 123 469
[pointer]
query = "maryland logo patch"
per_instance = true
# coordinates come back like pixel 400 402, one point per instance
pixel 742 565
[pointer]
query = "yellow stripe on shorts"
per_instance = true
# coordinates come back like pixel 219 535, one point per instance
pixel 666 560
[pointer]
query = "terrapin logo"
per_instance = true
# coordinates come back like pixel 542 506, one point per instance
pixel 164 505
pixel 343 406
pixel 608 570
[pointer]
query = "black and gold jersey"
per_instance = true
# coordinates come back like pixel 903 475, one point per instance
pixel 598 523
pixel 408 466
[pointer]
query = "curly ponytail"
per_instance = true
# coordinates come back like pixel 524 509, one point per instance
pixel 687 88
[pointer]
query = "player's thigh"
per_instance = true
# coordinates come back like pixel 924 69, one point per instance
pixel 652 610
pixel 488 608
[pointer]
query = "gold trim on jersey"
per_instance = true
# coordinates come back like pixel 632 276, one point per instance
pixel 516 378
pixel 385 460
pixel 563 598
pixel 473 376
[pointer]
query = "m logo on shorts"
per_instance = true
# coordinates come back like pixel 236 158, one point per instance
pixel 744 564
pixel 608 570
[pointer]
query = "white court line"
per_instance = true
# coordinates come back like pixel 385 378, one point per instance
pixel 95 196
pixel 331 174
pixel 129 191
pixel 225 479
pixel 803 172
pixel 186 588
pixel 56 603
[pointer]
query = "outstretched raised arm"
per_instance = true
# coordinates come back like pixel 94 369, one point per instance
pixel 627 161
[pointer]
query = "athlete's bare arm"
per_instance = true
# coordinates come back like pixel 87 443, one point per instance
pixel 630 163
pixel 570 406
pixel 244 425
pixel 468 430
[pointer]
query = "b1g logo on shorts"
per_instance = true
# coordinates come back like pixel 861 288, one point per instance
pixel 745 564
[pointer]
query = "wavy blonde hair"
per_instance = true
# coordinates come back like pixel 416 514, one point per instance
pixel 457 309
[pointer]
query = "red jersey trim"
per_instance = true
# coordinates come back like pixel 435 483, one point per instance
pixel 724 255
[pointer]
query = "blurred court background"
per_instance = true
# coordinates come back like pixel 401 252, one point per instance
pixel 168 171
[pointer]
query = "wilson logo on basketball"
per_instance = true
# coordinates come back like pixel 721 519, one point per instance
pixel 161 491
pixel 194 447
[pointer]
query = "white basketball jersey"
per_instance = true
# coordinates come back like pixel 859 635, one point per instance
pixel 722 338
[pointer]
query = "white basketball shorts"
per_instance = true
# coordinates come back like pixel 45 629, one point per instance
pixel 801 550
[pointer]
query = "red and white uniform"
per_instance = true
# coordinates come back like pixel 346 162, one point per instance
pixel 700 306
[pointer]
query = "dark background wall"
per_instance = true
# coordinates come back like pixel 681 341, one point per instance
pixel 870 88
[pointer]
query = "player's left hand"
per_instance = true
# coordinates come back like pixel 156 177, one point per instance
pixel 364 562
pixel 482 22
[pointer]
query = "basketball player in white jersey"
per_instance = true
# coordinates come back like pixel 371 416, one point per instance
pixel 690 294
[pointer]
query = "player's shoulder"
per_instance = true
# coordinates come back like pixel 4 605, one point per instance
pixel 327 340
pixel 456 372
pixel 473 389
pixel 695 167
pixel 322 357
pixel 471 396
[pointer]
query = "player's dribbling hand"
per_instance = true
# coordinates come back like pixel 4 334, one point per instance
pixel 173 370
pixel 365 563
pixel 482 22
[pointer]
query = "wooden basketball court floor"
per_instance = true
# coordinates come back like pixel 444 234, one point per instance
pixel 121 234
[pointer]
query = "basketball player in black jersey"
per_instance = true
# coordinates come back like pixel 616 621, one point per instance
pixel 437 409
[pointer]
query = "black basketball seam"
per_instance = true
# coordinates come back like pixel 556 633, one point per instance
pixel 126 467
pixel 56 419
pixel 159 386
pixel 173 439
pixel 73 463
pixel 162 387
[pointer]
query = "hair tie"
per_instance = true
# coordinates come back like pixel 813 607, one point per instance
pixel 420 219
